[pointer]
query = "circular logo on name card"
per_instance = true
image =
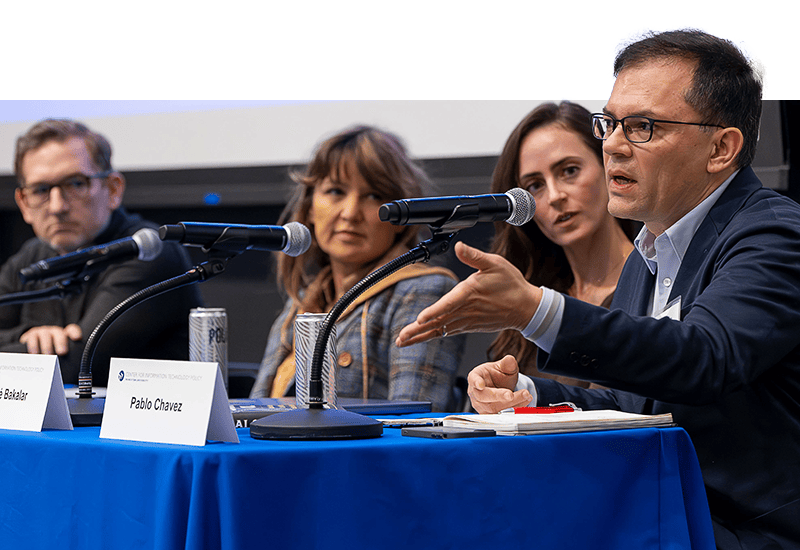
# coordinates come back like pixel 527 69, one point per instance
pixel 121 375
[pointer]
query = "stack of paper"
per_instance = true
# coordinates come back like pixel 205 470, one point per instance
pixel 578 421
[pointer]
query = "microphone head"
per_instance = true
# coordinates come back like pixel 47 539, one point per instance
pixel 149 244
pixel 299 239
pixel 524 206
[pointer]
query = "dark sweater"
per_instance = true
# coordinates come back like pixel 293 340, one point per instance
pixel 154 329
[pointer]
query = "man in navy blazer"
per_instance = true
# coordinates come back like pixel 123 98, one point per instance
pixel 705 322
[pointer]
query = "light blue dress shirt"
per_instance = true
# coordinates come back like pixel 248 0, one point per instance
pixel 663 255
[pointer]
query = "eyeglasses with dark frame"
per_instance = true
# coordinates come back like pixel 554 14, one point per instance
pixel 637 129
pixel 74 187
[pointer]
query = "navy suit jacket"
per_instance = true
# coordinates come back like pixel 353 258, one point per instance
pixel 728 371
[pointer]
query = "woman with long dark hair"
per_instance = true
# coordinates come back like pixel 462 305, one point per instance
pixel 573 245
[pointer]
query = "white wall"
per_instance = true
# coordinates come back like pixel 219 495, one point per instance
pixel 184 134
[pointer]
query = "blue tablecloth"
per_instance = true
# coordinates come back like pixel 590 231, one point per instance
pixel 620 489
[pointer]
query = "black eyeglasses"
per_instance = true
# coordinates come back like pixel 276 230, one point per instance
pixel 74 187
pixel 637 129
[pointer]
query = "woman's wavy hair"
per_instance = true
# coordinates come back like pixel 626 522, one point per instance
pixel 541 261
pixel 381 158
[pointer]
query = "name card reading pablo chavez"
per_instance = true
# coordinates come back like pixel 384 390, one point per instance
pixel 32 393
pixel 182 402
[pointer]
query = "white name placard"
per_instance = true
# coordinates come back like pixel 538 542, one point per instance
pixel 32 393
pixel 181 402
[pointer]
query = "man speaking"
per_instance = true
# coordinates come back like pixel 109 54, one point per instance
pixel 704 321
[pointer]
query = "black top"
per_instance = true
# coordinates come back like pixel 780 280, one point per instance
pixel 154 329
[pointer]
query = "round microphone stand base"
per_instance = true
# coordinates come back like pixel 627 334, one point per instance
pixel 86 411
pixel 316 424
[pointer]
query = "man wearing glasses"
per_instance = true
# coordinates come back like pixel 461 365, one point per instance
pixel 705 322
pixel 71 197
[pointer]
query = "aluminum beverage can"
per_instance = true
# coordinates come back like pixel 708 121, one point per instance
pixel 306 331
pixel 208 337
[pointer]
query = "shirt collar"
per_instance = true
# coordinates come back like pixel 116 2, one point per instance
pixel 680 233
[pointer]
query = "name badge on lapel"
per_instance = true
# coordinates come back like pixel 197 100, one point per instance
pixel 672 310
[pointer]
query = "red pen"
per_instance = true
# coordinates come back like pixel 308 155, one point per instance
pixel 552 408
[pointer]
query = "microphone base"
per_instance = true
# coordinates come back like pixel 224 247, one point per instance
pixel 315 424
pixel 86 411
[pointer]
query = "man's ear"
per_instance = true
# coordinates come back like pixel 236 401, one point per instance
pixel 116 189
pixel 728 143
pixel 26 212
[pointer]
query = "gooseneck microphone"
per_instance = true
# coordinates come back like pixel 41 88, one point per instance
pixel 294 238
pixel 144 245
pixel 516 207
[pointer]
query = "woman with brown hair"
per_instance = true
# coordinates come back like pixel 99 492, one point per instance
pixel 338 197
pixel 573 245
